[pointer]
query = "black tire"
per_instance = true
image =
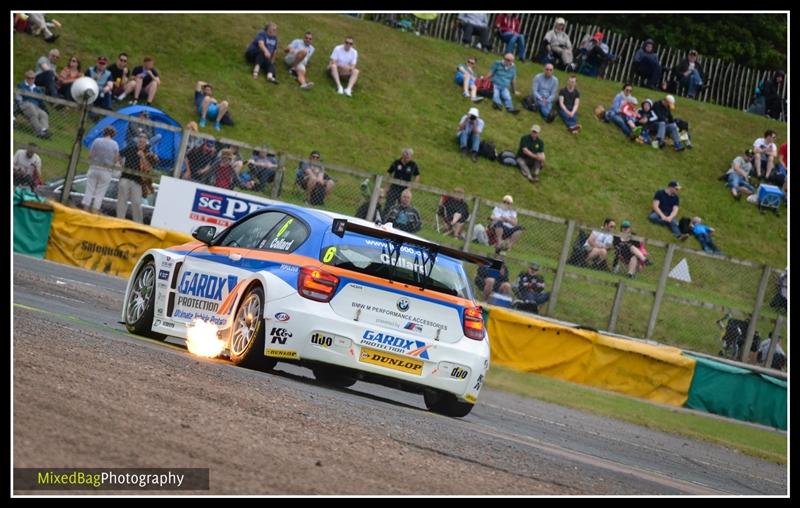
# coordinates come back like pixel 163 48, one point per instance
pixel 141 302
pixel 446 404
pixel 333 376
pixel 247 333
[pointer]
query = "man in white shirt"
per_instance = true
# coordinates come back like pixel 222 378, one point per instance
pixel 298 53
pixel 504 223
pixel 765 151
pixel 27 167
pixel 599 242
pixel 343 66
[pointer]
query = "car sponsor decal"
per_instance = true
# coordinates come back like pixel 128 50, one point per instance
pixel 289 268
pixel 413 327
pixel 163 274
pixel 478 383
pixel 393 313
pixel 219 208
pixel 403 305
pixel 282 353
pixel 390 361
pixel 202 291
pixel 282 316
pixel 459 373
pixel 322 340
pixel 411 347
pixel 279 335
pixel 190 316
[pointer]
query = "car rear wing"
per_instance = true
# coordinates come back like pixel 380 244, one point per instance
pixel 340 226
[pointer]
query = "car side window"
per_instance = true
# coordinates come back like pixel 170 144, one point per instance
pixel 287 237
pixel 250 233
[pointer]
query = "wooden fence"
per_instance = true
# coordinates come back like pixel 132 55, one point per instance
pixel 730 84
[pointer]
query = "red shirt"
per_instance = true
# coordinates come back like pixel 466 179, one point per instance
pixel 783 151
pixel 507 23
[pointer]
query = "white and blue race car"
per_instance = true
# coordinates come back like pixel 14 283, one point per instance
pixel 342 296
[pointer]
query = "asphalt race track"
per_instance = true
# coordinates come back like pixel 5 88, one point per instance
pixel 88 394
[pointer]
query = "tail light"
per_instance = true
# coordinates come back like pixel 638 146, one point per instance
pixel 473 323
pixel 316 284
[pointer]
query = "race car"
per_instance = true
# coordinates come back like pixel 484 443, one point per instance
pixel 349 299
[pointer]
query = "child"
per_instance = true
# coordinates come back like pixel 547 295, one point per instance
pixel 630 114
pixel 703 235
pixel 646 116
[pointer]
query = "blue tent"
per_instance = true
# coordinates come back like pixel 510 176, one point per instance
pixel 166 148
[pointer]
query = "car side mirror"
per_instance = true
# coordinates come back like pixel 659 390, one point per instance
pixel 205 234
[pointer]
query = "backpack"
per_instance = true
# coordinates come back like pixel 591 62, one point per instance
pixel 507 158
pixel 485 86
pixel 487 149
pixel 529 103
pixel 685 225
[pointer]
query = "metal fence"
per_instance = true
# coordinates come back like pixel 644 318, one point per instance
pixel 730 84
pixel 683 297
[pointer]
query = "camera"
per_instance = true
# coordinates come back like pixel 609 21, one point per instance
pixel 472 117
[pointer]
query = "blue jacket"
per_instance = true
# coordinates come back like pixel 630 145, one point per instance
pixel 26 98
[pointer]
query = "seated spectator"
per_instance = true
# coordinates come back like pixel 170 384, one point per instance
pixel 262 166
pixel 298 53
pixel 646 122
pixel 466 76
pixel 119 76
pixel 530 154
pixel 404 168
pixel 530 287
pixel 779 301
pixel 544 89
pixel 32 107
pixel 569 99
pixel 37 24
pixel 145 78
pixel 342 67
pixel 765 151
pixel 558 46
pixel 739 175
pixel 646 65
pixel 598 244
pixel 28 167
pixel 469 132
pixel 454 213
pixel 505 225
pixel 614 113
pixel 504 75
pixel 703 234
pixel 312 178
pixel 665 209
pixel 45 71
pixel 261 52
pixel 136 129
pixel 778 354
pixel 507 26
pixel 198 162
pixel 67 76
pixel 630 115
pixel 778 176
pixel 208 106
pixel 380 210
pixel 489 280
pixel 665 123
pixel 224 173
pixel 630 252
pixel 596 56
pixel 403 216
pixel 689 74
pixel 102 76
pixel 475 23
pixel 139 158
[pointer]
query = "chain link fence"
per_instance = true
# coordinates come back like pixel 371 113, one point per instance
pixel 666 292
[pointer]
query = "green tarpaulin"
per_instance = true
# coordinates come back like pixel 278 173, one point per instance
pixel 32 218
pixel 726 390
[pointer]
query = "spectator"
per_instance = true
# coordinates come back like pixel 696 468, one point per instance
pixel 530 286
pixel 362 210
pixel 136 129
pixel 775 105
pixel 343 66
pixel 599 242
pixel 404 168
pixel 403 216
pixel 765 152
pixel 46 72
pixel 198 162
pixel 145 79
pixel 739 175
pixel 665 209
pixel 466 76
pixel 103 154
pixel 31 107
pixel 558 45
pixel 262 166
pixel 781 171
pixel 544 89
pixel 208 106
pixel 489 280
pixel 690 74
pixel 316 183
pixel 531 154
pixel 569 99
pixel 261 52
pixel 614 113
pixel 779 301
pixel 40 26
pixel 508 30
pixel 475 23
pixel 238 160
pixel 505 225
pixel 645 64
pixel 469 132
pixel 454 213
pixel 665 123
pixel 67 76
pixel 119 76
pixel 224 173
pixel 703 234
pixel 778 355
pixel 630 252
pixel 102 76
pixel 28 167
pixel 503 75
pixel 597 55
pixel 630 115
pixel 139 158
pixel 298 53
pixel 646 123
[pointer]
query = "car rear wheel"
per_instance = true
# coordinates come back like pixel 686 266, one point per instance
pixel 247 336
pixel 141 302
pixel 446 404
pixel 333 376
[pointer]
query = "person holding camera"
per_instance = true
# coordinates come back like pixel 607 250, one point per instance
pixel 469 132
pixel 530 285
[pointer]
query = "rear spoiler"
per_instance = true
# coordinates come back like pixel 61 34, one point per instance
pixel 341 225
